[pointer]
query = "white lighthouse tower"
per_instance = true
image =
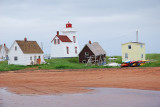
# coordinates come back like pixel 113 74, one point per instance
pixel 69 31
pixel 65 45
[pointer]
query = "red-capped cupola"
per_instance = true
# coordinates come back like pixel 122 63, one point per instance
pixel 68 25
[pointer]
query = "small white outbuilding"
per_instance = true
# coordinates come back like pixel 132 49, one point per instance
pixel 3 52
pixel 24 52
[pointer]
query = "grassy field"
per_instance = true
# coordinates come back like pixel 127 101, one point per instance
pixel 155 60
pixel 66 63
pixel 5 67
pixel 72 63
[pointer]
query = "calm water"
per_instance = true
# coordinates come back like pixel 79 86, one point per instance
pixel 101 97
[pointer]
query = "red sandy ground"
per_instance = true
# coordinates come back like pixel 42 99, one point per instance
pixel 76 81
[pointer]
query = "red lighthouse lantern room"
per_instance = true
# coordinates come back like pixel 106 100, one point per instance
pixel 68 25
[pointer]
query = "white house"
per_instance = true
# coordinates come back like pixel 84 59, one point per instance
pixel 66 45
pixel 3 52
pixel 25 53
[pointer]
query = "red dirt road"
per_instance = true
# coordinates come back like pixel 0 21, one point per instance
pixel 76 81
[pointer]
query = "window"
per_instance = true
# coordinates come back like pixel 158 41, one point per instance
pixel 58 41
pixel 35 57
pixel 15 48
pixel 86 54
pixel 84 61
pixel 15 58
pixel 129 46
pixel 31 58
pixel 126 55
pixel 75 50
pixel 74 39
pixel 54 41
pixel 141 45
pixel 141 55
pixel 67 49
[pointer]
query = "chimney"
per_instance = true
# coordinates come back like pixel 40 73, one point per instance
pixel 89 42
pixel 4 44
pixel 25 39
pixel 137 36
pixel 58 33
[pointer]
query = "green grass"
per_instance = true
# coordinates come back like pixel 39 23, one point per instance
pixel 154 60
pixel 118 60
pixel 5 67
pixel 66 63
pixel 72 63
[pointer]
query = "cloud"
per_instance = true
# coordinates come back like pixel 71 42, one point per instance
pixel 111 19
pixel 109 22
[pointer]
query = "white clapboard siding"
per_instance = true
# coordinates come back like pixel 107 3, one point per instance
pixel 23 59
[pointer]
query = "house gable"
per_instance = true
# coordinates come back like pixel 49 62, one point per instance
pixel 82 54
pixel 12 48
pixel 13 51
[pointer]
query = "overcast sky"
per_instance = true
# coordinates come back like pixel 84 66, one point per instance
pixel 109 22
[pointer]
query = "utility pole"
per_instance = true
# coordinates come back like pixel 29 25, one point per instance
pixel 42 45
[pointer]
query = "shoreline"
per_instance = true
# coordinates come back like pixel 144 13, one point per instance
pixel 77 81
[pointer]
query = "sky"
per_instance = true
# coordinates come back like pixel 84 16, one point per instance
pixel 109 22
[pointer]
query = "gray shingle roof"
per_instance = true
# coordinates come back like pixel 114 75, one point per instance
pixel 96 48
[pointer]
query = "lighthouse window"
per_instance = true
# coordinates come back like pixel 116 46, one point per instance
pixel 74 39
pixel 141 46
pixel 58 41
pixel 54 41
pixel 67 50
pixel 75 50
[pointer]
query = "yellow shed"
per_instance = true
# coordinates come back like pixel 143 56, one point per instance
pixel 133 51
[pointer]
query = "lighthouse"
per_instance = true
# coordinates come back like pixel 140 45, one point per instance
pixel 70 32
pixel 65 45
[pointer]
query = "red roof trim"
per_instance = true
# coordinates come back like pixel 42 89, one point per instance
pixel 63 38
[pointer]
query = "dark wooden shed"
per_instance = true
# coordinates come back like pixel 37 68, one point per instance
pixel 92 53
